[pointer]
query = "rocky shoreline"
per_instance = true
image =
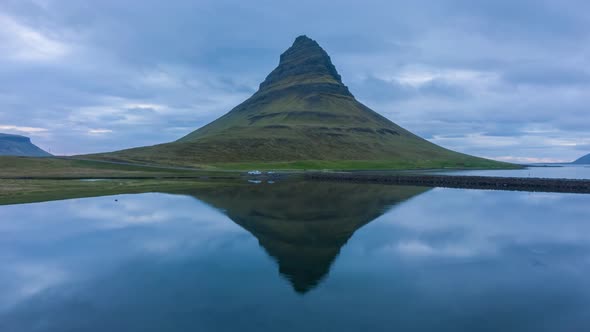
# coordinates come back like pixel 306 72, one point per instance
pixel 465 182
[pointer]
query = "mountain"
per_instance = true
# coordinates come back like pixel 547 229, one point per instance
pixel 303 225
pixel 585 160
pixel 302 116
pixel 16 145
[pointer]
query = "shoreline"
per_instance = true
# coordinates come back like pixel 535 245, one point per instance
pixel 577 186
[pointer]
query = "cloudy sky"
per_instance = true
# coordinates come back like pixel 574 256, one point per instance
pixel 504 79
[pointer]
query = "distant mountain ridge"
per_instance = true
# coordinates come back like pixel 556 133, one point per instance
pixel 302 116
pixel 584 160
pixel 17 145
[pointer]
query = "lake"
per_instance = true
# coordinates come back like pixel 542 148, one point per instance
pixel 559 171
pixel 298 256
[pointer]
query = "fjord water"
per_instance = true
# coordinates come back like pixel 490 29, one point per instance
pixel 555 171
pixel 298 256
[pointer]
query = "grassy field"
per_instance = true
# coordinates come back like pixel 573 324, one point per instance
pixel 63 168
pixel 374 165
pixel 26 180
pixel 29 191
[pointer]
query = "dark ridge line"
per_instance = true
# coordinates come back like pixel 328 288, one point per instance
pixel 575 186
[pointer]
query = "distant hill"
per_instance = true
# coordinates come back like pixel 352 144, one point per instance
pixel 16 145
pixel 583 160
pixel 302 116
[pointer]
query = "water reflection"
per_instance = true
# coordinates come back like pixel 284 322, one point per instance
pixel 437 260
pixel 303 225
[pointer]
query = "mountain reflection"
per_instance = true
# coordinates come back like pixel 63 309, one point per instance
pixel 303 225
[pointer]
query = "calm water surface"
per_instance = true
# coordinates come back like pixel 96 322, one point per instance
pixel 563 171
pixel 298 257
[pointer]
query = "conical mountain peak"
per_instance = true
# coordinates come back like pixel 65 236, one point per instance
pixel 305 62
pixel 302 116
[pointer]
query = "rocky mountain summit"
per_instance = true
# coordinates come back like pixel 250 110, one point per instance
pixel 305 63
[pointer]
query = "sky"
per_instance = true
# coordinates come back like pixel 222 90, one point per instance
pixel 503 79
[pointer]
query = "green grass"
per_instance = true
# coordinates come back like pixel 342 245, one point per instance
pixel 26 179
pixel 29 191
pixel 301 130
pixel 348 165
pixel 63 168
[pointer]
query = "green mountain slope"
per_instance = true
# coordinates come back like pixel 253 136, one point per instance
pixel 16 145
pixel 302 116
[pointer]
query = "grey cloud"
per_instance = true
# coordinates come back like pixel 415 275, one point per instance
pixel 583 147
pixel 548 75
pixel 198 59
pixel 381 90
